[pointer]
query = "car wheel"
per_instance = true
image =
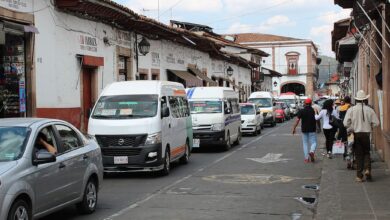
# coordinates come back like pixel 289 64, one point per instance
pixel 20 210
pixel 228 144
pixel 259 131
pixel 90 197
pixel 256 131
pixel 186 157
pixel 167 163
pixel 239 135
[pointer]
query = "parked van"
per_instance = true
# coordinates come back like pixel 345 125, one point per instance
pixel 142 126
pixel 265 102
pixel 216 117
pixel 292 101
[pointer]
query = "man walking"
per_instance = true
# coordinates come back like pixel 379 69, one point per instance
pixel 308 127
pixel 361 119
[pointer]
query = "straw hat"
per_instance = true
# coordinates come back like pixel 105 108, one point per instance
pixel 361 95
pixel 337 102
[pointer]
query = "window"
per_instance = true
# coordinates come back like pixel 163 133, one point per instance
pixel 47 135
pixel 179 107
pixel 155 77
pixel 234 106
pixel 122 66
pixel 69 137
pixel 143 76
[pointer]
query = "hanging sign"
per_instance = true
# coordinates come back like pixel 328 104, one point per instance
pixel 22 96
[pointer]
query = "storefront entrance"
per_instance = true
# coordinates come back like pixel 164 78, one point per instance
pixel 13 81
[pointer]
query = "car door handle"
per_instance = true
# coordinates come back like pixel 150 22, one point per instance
pixel 85 157
pixel 62 165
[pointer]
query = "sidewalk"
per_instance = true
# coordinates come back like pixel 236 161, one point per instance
pixel 340 197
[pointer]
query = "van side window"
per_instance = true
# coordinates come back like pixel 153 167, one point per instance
pixel 179 107
pixel 235 106
pixel 226 105
pixel 175 110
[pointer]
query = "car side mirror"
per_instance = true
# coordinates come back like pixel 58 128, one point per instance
pixel 164 112
pixel 44 157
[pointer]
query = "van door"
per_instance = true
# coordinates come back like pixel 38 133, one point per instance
pixel 165 126
pixel 177 127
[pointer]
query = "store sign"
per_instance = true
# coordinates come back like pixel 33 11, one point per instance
pixel 155 59
pixel 170 58
pixel 123 38
pixel 17 5
pixel 22 96
pixel 88 43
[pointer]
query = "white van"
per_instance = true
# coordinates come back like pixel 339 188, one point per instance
pixel 265 102
pixel 142 126
pixel 216 117
pixel 292 101
pixel 251 119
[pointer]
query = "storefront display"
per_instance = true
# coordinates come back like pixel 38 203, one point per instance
pixel 12 75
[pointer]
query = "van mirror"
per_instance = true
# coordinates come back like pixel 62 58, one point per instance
pixel 164 112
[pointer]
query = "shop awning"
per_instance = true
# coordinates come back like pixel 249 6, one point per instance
pixel 91 60
pixel 191 80
pixel 202 76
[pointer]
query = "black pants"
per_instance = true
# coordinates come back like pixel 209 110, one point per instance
pixel 362 151
pixel 329 136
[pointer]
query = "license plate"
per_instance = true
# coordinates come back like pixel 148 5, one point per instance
pixel 195 142
pixel 121 160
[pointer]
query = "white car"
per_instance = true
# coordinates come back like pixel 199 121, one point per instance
pixel 251 119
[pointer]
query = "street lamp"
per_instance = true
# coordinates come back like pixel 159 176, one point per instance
pixel 275 84
pixel 229 71
pixel 144 46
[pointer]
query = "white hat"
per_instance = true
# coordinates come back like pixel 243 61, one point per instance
pixel 361 95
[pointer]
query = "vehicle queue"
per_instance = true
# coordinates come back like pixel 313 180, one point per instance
pixel 135 126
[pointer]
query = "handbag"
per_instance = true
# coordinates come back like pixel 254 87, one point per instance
pixel 334 122
pixel 338 147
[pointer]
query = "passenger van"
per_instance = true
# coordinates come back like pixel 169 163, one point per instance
pixel 292 101
pixel 265 102
pixel 216 117
pixel 142 126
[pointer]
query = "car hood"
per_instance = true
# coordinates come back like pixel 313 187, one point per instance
pixel 248 117
pixel 5 166
pixel 279 111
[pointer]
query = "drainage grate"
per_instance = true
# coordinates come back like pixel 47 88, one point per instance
pixel 311 187
pixel 309 201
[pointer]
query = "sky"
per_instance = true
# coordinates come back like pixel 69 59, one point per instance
pixel 303 19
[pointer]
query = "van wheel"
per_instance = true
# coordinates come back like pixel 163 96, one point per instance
pixel 259 131
pixel 20 210
pixel 90 197
pixel 228 144
pixel 167 163
pixel 239 135
pixel 186 157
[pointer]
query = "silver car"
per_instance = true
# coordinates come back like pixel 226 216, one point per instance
pixel 45 165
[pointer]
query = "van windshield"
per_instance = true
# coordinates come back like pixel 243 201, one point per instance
pixel 126 107
pixel 198 107
pixel 12 142
pixel 262 102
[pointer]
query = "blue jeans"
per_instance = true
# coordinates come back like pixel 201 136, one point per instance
pixel 309 138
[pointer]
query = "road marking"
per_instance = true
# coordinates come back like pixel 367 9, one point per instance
pixel 251 178
pixel 151 196
pixel 270 158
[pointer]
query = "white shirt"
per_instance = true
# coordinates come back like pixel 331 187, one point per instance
pixel 354 118
pixel 324 115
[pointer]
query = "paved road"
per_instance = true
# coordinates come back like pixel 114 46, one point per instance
pixel 257 180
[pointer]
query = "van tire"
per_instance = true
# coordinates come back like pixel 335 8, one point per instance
pixel 239 135
pixel 259 131
pixel 228 143
pixel 20 205
pixel 167 163
pixel 186 157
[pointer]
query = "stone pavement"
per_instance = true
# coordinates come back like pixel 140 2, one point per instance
pixel 340 197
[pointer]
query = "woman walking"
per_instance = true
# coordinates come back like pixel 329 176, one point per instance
pixel 329 131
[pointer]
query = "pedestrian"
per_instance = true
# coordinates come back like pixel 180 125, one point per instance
pixel 329 131
pixel 343 135
pixel 317 108
pixel 308 128
pixel 361 119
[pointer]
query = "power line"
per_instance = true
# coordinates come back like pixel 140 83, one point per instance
pixel 170 8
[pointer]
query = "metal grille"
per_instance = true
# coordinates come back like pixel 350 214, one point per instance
pixel 114 151
pixel 120 141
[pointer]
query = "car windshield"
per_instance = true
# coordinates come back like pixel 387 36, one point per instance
pixel 288 101
pixel 126 107
pixel 247 110
pixel 198 107
pixel 12 142
pixel 262 102
pixel 279 106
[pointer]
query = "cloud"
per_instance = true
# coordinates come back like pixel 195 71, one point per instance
pixel 333 16
pixel 277 21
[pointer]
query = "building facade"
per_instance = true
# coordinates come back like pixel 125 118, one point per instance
pixel 295 59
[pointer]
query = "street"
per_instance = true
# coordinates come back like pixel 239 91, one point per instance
pixel 259 179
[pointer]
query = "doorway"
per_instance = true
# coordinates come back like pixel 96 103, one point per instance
pixel 89 86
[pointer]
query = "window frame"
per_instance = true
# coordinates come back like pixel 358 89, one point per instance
pixel 60 138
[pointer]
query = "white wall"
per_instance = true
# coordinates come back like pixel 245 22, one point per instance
pixel 58 70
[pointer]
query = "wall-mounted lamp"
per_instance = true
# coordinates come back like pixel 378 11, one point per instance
pixel 141 49
pixel 229 71
pixel 275 84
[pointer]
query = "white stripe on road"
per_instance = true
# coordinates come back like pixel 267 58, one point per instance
pixel 151 196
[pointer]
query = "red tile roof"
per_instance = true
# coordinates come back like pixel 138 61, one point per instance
pixel 258 37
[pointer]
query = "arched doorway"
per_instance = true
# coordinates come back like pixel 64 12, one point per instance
pixel 294 87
